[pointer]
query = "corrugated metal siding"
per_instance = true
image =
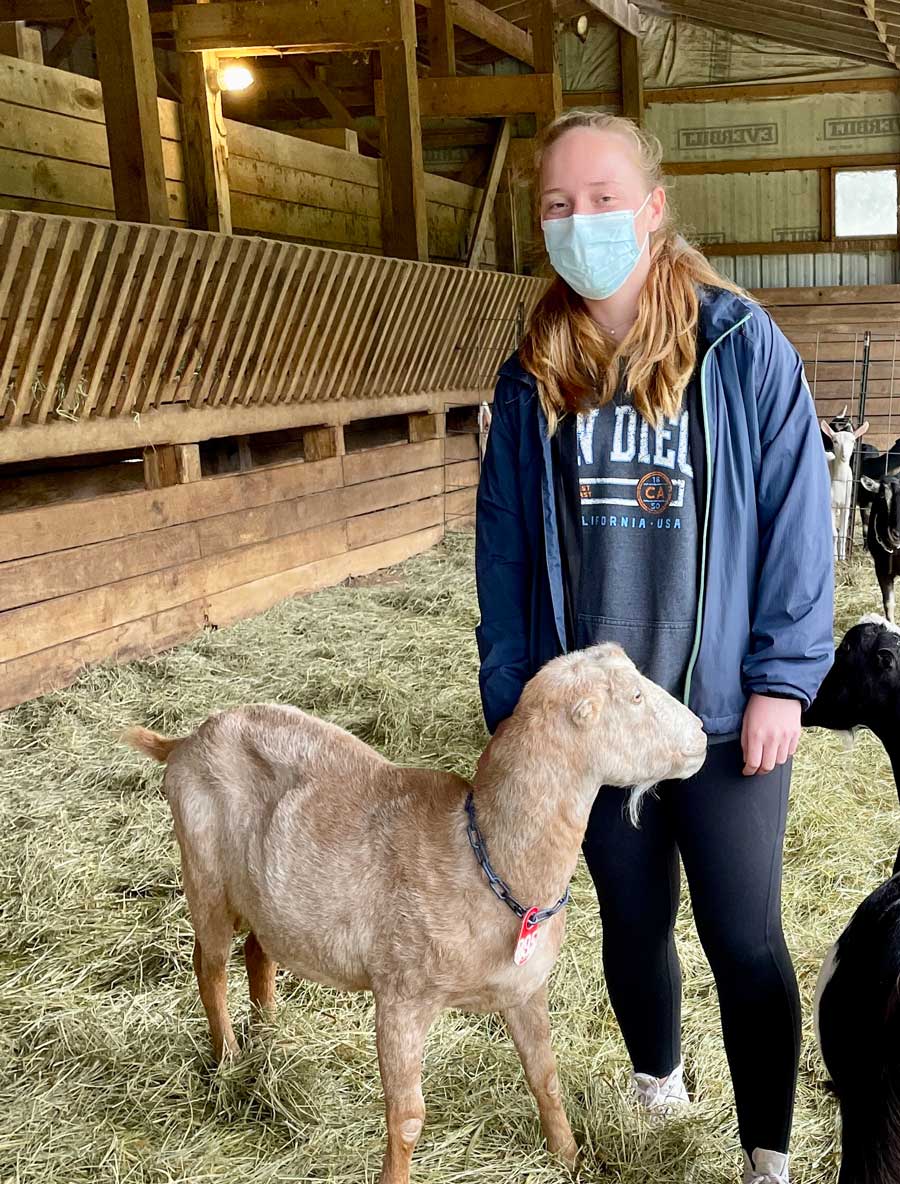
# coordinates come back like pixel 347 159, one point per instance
pixel 803 271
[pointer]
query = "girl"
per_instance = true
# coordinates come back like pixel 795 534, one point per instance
pixel 654 476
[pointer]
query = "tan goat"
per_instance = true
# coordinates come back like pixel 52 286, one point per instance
pixel 352 871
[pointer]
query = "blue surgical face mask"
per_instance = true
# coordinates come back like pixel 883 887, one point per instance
pixel 595 253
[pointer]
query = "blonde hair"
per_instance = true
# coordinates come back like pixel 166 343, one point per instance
pixel 577 364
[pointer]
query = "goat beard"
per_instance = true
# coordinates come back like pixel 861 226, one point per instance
pixel 635 800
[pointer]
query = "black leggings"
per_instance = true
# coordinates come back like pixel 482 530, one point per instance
pixel 729 830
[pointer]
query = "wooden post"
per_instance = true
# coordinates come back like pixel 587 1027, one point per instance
pixel 441 46
pixel 546 57
pixel 405 230
pixel 506 229
pixel 128 77
pixel 18 41
pixel 826 205
pixel 478 229
pixel 171 464
pixel 203 143
pixel 632 78
pixel 323 443
pixel 425 425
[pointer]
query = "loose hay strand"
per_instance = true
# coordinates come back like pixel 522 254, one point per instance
pixel 105 1068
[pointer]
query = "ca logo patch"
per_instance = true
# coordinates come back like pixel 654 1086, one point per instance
pixel 654 492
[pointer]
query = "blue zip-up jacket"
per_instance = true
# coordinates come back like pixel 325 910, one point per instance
pixel 764 621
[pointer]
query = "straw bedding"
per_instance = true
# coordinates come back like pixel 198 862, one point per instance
pixel 105 1070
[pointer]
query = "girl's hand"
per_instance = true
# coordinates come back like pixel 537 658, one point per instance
pixel 770 733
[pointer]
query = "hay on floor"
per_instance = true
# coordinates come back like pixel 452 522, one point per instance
pixel 105 1072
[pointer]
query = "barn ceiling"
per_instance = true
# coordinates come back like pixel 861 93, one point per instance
pixel 868 30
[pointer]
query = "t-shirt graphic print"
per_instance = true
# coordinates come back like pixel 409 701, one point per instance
pixel 639 538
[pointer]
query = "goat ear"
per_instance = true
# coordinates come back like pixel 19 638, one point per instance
pixel 861 430
pixel 869 484
pixel 827 428
pixel 583 712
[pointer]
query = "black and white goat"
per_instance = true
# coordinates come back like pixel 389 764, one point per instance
pixel 883 536
pixel 857 1007
pixel 857 1022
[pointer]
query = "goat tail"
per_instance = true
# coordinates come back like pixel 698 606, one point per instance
pixel 150 743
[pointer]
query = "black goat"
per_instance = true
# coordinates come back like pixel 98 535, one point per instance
pixel 862 689
pixel 883 536
pixel 874 467
pixel 857 1020
pixel 857 1009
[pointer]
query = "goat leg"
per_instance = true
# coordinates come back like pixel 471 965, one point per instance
pixel 261 970
pixel 400 1031
pixel 210 967
pixel 887 595
pixel 529 1026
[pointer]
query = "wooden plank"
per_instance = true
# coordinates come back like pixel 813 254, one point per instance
pixel 60 573
pixel 370 464
pixel 441 45
pixel 459 508
pixel 829 314
pixel 405 227
pixel 777 164
pixel 18 41
pixel 225 532
pixel 254 597
pixel 336 137
pixel 461 475
pixel 382 525
pixel 546 59
pixel 322 443
pixel 479 226
pixel 460 446
pixel 862 246
pixel 260 144
pixel 826 205
pixel 286 25
pixel 425 426
pixel 839 294
pixel 752 92
pixel 74 524
pixel 128 77
pixel 482 22
pixel 204 145
pixel 58 666
pixel 495 95
pixel 30 628
pixel 632 76
pixel 332 104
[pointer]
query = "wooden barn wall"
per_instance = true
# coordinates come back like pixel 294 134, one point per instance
pixel 119 576
pixel 54 159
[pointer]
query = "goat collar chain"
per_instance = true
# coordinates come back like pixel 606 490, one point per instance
pixel 497 886
pixel 879 540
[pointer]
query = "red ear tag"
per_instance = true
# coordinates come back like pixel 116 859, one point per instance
pixel 528 935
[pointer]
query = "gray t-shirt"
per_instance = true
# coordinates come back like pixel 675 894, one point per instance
pixel 637 534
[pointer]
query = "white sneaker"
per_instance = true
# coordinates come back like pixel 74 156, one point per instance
pixel 660 1095
pixel 766 1167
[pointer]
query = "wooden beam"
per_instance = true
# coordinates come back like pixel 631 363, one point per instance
pixel 506 229
pixel 487 95
pixel 60 50
pixel 479 227
pixel 18 41
pixel 482 22
pixel 299 26
pixel 404 229
pixel 632 77
pixel 745 92
pixel 777 164
pixel 441 46
pixel 203 143
pixel 826 205
pixel 627 16
pixel 546 59
pixel 128 78
pixel 839 245
pixel 331 103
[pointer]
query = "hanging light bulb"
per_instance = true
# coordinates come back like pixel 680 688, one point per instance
pixel 582 24
pixel 235 76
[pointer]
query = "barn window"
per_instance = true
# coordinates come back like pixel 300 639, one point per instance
pixel 865 202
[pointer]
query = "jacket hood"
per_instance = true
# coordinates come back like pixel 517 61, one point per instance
pixel 720 310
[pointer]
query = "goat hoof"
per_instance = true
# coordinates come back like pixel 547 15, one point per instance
pixel 567 1152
